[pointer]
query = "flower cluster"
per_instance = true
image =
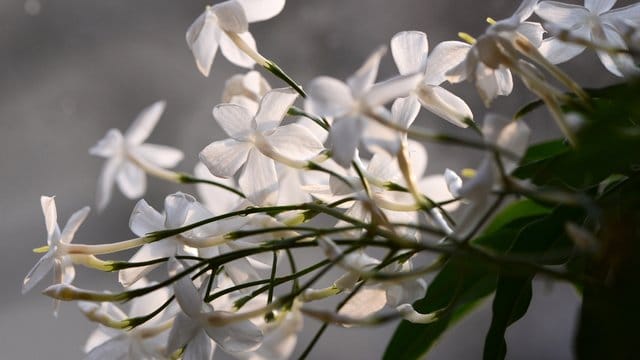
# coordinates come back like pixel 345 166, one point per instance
pixel 349 155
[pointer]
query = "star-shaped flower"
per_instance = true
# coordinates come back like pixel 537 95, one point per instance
pixel 596 22
pixel 209 30
pixel 56 257
pixel 255 141
pixel 128 157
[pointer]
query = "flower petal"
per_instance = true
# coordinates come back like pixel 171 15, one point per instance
pixel 215 199
pixel 73 224
pixel 231 16
pixel 566 16
pixel 259 180
pixel 558 51
pixel 445 104
pixel 110 145
pixel 144 124
pixel 37 272
pixel 186 293
pixel 234 119
pixel 436 187
pixel 344 138
pixel 259 10
pixel 156 250
pixel 238 336
pixel 115 348
pixel 177 208
pixel 328 97
pixel 492 83
pixel 599 6
pixel 131 180
pixel 203 39
pixel 629 14
pixel 236 56
pixel 405 110
pixel 224 158
pixel 618 64
pixel 199 347
pixel 444 57
pixel 409 50
pixel 145 219
pixel 532 31
pixel 295 142
pixel 105 182
pixel 183 331
pixel 366 75
pixel 365 302
pixel 161 155
pixel 386 91
pixel 273 107
pixel 48 204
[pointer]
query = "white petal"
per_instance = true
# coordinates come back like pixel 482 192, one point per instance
pixel 386 91
pixel 444 57
pixel 491 83
pixel 366 75
pixel 445 104
pixel 259 180
pixel 73 224
pixel 364 303
pixel 186 293
pixel 131 180
pixel 234 54
pixel 436 187
pixel 377 137
pixel 273 107
pixel 183 331
pixel 144 124
pixel 525 10
pixel 177 207
pixel 105 182
pixel 295 142
pixel 110 145
pixel 405 110
pixel 231 16
pixel 558 51
pixel 145 219
pixel 344 138
pixel 454 182
pixel 620 64
pixel 238 336
pixel 328 97
pixel 203 39
pixel 235 120
pixel 599 6
pixel 259 10
pixel 146 304
pixel 630 14
pixel 199 348
pixel 418 157
pixel 565 16
pixel 280 340
pixel 156 250
pixel 39 270
pixel 384 167
pixel 532 31
pixel 160 155
pixel 478 187
pixel 216 200
pixel 48 204
pixel 409 50
pixel 116 348
pixel 224 158
pixel 515 138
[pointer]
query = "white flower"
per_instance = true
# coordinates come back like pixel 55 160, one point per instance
pixel 595 22
pixel 245 90
pixel 255 141
pixel 351 103
pixel 209 30
pixel 488 58
pixel 409 50
pixel 179 210
pixel 147 341
pixel 193 329
pixel 128 157
pixel 56 257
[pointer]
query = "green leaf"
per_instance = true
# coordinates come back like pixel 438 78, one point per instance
pixel 462 283
pixel 513 291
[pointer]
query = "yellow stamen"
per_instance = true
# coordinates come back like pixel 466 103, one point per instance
pixel 491 21
pixel 468 173
pixel 42 249
pixel 467 38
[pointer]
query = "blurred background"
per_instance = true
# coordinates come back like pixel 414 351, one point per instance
pixel 72 69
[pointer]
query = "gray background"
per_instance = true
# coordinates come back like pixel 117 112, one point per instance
pixel 72 69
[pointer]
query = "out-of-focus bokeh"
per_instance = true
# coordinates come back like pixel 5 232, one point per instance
pixel 72 69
